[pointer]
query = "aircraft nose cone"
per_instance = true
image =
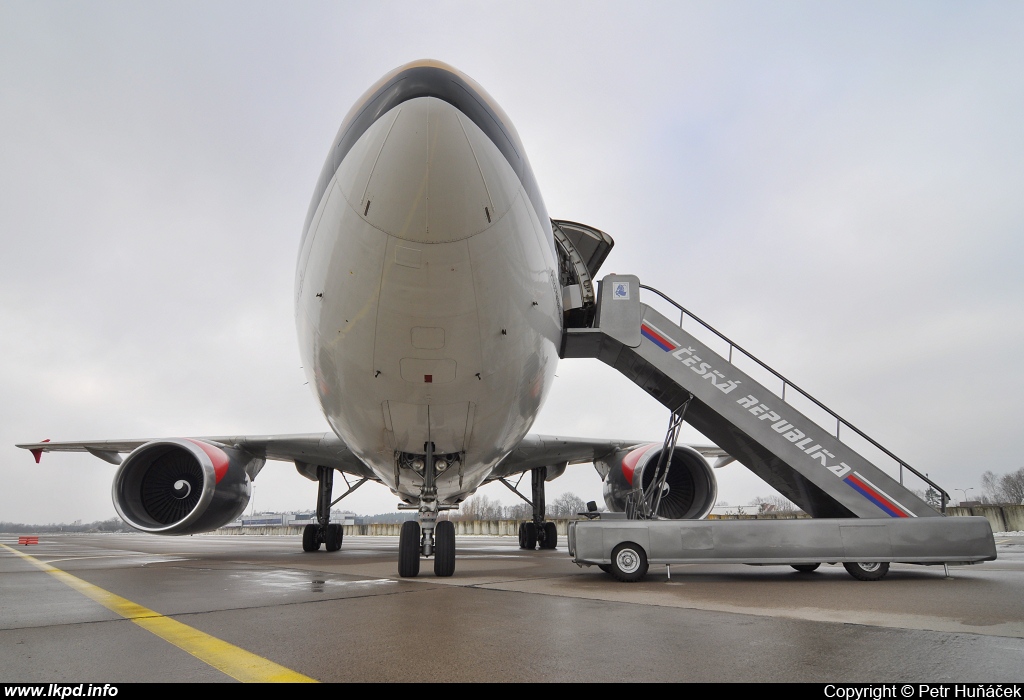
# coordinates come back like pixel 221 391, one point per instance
pixel 426 173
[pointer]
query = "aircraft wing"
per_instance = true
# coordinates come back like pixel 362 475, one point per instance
pixel 307 450
pixel 549 450
pixel 312 449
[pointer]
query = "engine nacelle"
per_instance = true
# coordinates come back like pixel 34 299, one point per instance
pixel 690 491
pixel 183 486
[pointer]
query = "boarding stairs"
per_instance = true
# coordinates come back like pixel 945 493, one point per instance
pixel 816 467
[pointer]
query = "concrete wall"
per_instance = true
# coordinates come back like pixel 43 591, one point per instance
pixel 1002 519
pixel 760 516
pixel 508 528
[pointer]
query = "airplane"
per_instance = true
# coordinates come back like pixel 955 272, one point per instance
pixel 431 293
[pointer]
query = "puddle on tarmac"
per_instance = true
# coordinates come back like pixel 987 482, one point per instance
pixel 298 581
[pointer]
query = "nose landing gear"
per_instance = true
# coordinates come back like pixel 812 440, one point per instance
pixel 426 536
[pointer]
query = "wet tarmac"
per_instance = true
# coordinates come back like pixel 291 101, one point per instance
pixel 506 615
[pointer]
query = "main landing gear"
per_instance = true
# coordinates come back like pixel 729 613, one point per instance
pixel 538 532
pixel 324 531
pixel 426 536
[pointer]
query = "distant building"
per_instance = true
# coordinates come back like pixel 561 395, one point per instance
pixel 344 517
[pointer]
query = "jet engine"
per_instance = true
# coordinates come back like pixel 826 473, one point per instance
pixel 689 492
pixel 181 486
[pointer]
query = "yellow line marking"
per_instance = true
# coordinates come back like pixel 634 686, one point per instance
pixel 236 662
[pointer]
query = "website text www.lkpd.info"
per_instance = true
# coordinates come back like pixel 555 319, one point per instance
pixel 61 690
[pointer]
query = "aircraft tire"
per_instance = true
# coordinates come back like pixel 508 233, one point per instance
pixel 444 548
pixel 335 536
pixel 867 571
pixel 409 549
pixel 629 562
pixel 805 568
pixel 310 542
pixel 529 536
pixel 550 536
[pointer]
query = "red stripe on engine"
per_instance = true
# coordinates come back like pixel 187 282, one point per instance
pixel 630 460
pixel 217 456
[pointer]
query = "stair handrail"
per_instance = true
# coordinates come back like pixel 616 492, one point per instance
pixel 683 313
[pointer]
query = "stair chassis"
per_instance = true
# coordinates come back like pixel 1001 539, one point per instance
pixel 797 542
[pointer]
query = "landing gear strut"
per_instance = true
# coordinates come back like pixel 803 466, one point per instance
pixel 324 532
pixel 537 532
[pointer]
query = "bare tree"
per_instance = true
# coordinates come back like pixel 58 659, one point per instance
pixel 773 504
pixel 519 511
pixel 1005 488
pixel 480 507
pixel 567 505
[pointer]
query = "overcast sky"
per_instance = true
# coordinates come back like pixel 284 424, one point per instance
pixel 838 187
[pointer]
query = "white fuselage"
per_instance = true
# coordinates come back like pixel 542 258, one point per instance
pixel 427 300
